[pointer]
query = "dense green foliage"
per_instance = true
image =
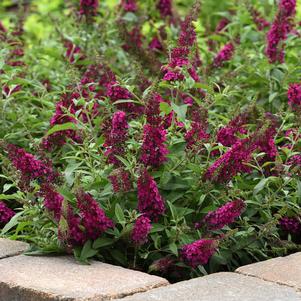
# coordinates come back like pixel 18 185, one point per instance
pixel 246 84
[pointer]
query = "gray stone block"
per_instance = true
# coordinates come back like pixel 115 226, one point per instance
pixel 27 278
pixel 220 287
pixel 283 270
pixel 11 247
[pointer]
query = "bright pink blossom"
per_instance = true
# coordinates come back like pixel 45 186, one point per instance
pixel 279 30
pixel 93 216
pixel 150 202
pixel 115 92
pixel 74 235
pixel 227 135
pixel 115 140
pixel 199 126
pixel 73 52
pixel 223 216
pixel 290 224
pixel 225 54
pixel 295 161
pixel 129 5
pixel 152 109
pixel 5 214
pixel 288 7
pixel 187 36
pixel 165 8
pixel 52 200
pixel 192 72
pixel 198 252
pixel 133 39
pixel 155 44
pixel 153 112
pixel 64 108
pixel 88 7
pixel 232 162
pixel 141 230
pixel 30 167
pixel 259 21
pixel 196 134
pixel 120 180
pixel 265 142
pixel 90 223
pixel 222 24
pixel 294 97
pixel 173 75
pixel 179 57
pixel 153 149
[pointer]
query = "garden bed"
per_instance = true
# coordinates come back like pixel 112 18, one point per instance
pixel 160 136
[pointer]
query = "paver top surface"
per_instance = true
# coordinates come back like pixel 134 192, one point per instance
pixel 220 287
pixel 61 278
pixel 11 247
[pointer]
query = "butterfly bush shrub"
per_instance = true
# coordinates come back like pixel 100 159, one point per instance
pixel 157 136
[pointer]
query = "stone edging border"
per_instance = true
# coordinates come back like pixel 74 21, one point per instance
pixel 26 278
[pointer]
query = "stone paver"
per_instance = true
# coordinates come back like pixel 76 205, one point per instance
pixel 220 287
pixel 27 278
pixel 283 270
pixel 11 247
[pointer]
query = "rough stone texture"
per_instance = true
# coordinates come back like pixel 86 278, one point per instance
pixel 283 270
pixel 11 247
pixel 27 278
pixel 220 287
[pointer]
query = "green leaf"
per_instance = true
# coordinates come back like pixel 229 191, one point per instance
pixel 172 210
pixel 76 252
pixel 173 248
pixel 260 185
pixel 176 186
pixel 130 17
pixel 12 223
pixel 62 127
pixel 202 270
pixel 165 108
pixel 298 192
pixel 102 242
pixel 208 209
pixel 119 214
pixel 66 193
pixel 124 161
pixel 87 251
pixel 157 240
pixel 180 111
pixel 119 256
pixel 6 187
pixel 51 249
pixel 69 172
pixel 273 96
pixel 157 228
pixel 13 196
